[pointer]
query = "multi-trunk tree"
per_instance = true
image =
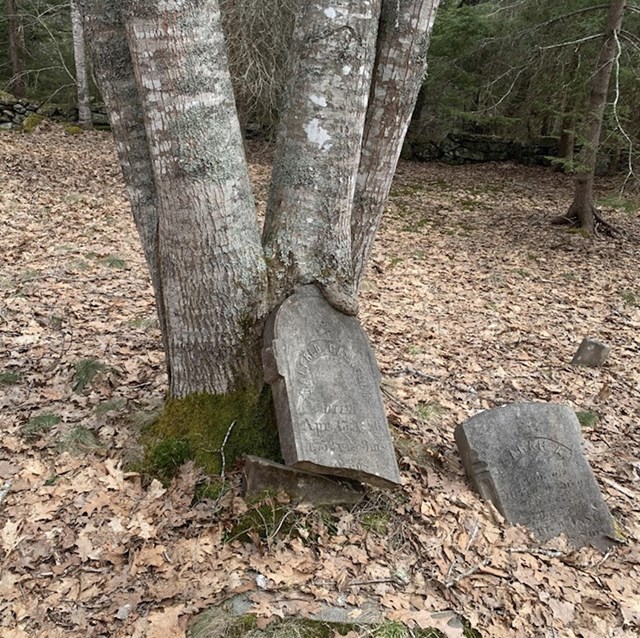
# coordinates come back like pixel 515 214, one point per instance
pixel 354 69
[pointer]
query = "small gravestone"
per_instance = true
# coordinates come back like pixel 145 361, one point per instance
pixel 326 392
pixel 527 459
pixel 261 474
pixel 591 353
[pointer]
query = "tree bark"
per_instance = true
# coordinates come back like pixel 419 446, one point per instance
pixel 163 71
pixel 184 162
pixel 582 211
pixel 401 63
pixel 16 83
pixel 307 234
pixel 80 59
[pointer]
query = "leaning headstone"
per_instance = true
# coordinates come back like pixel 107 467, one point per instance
pixel 261 474
pixel 527 459
pixel 326 392
pixel 591 353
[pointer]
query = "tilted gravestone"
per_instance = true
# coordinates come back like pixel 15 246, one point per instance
pixel 527 459
pixel 326 392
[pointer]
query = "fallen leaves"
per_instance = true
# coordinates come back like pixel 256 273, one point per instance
pixel 467 309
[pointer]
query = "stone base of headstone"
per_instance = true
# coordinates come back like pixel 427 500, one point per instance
pixel 261 474
pixel 527 459
pixel 591 353
pixel 326 391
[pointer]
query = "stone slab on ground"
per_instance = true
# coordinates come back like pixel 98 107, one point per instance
pixel 326 391
pixel 527 459
pixel 591 353
pixel 262 474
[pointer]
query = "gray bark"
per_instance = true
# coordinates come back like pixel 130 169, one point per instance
pixel 210 260
pixel 80 59
pixel 405 28
pixel 114 73
pixel 179 141
pixel 307 234
pixel 184 162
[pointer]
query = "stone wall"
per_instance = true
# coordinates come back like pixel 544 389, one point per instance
pixel 13 112
pixel 464 148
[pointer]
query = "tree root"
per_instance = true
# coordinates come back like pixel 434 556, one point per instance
pixel 572 220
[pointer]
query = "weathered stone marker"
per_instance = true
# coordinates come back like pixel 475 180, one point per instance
pixel 326 391
pixel 527 459
pixel 591 353
pixel 261 474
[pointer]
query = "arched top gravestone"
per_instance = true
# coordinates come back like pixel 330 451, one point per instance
pixel 326 391
pixel 527 459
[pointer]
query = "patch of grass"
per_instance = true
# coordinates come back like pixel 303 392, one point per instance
pixel 113 405
pixel 39 425
pixel 211 490
pixel 570 276
pixel 85 372
pixel 625 204
pixel 111 261
pixel 266 519
pixel 79 440
pixel 525 274
pixel 406 191
pixel 414 350
pixel 377 522
pixel 9 377
pixel 630 298
pixel 143 323
pixel 430 411
pixel 395 260
pixel 587 419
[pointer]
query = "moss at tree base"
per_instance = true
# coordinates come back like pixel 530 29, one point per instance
pixel 217 623
pixel 208 428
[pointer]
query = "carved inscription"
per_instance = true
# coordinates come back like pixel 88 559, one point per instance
pixel 527 459
pixel 331 416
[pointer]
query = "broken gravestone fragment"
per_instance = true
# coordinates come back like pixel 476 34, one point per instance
pixel 527 459
pixel 591 353
pixel 261 474
pixel 326 392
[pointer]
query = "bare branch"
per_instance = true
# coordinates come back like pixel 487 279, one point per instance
pixel 616 115
pixel 569 43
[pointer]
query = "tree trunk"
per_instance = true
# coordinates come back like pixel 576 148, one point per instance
pixel 190 179
pixel 307 234
pixel 16 37
pixel 80 59
pixel 163 71
pixel 401 63
pixel 582 211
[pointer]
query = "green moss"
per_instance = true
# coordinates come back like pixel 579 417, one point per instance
pixel 219 623
pixel 31 122
pixel 73 129
pixel 9 377
pixel 7 98
pixel 587 419
pixel 198 426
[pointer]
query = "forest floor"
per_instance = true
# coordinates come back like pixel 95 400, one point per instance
pixel 472 300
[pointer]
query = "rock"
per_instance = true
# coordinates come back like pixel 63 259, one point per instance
pixel 527 459
pixel 326 391
pixel 262 474
pixel 591 353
